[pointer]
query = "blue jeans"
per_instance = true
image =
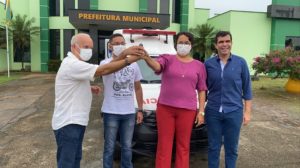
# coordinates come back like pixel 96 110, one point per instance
pixel 124 124
pixel 69 145
pixel 223 128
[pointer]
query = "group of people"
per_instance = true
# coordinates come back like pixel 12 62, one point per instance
pixel 223 80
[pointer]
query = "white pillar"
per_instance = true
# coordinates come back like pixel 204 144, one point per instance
pixel 7 51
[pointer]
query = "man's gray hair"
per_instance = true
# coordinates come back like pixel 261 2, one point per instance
pixel 74 39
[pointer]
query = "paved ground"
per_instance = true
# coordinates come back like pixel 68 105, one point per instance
pixel 272 140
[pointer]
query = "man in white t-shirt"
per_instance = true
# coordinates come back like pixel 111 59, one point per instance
pixel 118 109
pixel 73 96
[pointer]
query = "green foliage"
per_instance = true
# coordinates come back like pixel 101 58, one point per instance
pixel 280 63
pixel 21 30
pixel 204 35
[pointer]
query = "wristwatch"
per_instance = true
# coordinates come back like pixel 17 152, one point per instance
pixel 202 113
pixel 140 110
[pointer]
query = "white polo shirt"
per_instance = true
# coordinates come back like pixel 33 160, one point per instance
pixel 73 96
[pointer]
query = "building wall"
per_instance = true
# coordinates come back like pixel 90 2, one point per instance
pixel 35 47
pixel 3 60
pixel 117 5
pixel 251 34
pixel 42 64
pixel 221 22
pixel 31 9
pixel 39 9
pixel 250 31
pixel 173 26
pixel 2 13
pixel 184 18
pixel 198 17
pixel 94 4
pixel 22 8
pixel 143 5
pixel 284 27
pixel 286 2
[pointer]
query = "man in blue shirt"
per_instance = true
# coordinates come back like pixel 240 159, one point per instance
pixel 228 101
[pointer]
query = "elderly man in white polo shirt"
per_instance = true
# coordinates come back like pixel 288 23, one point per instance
pixel 73 96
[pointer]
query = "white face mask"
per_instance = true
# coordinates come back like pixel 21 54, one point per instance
pixel 85 53
pixel 183 49
pixel 118 49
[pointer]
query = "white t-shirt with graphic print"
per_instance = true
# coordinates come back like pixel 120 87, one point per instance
pixel 119 89
pixel 73 96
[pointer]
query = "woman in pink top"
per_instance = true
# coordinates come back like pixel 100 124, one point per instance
pixel 182 79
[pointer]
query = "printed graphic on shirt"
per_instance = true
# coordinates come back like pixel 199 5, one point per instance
pixel 123 83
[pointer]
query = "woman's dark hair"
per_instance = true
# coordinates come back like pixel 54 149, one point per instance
pixel 114 36
pixel 187 34
pixel 222 34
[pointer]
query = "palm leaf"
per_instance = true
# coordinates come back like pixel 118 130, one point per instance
pixel 22 31
pixel 204 35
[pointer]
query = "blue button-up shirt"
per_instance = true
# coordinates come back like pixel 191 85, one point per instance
pixel 228 87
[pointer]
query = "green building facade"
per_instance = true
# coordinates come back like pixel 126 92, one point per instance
pixel 285 17
pixel 250 32
pixel 56 29
pixel 254 33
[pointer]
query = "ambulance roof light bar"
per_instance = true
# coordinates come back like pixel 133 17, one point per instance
pixel 146 32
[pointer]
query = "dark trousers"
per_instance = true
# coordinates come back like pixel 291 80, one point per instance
pixel 223 128
pixel 69 145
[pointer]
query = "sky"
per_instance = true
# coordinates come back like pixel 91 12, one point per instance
pixel 221 6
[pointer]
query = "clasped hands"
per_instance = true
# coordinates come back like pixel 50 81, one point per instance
pixel 136 51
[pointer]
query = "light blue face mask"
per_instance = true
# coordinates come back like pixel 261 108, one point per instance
pixel 183 49
pixel 118 49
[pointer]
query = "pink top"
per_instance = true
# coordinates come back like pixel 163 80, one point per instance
pixel 180 80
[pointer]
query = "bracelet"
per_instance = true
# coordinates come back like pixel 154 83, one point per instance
pixel 140 110
pixel 202 113
pixel 126 61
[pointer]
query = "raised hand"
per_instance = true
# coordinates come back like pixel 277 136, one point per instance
pixel 134 50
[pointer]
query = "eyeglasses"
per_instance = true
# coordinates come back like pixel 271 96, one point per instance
pixel 114 44
pixel 184 42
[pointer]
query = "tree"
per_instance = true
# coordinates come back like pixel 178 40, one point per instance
pixel 203 44
pixel 21 30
